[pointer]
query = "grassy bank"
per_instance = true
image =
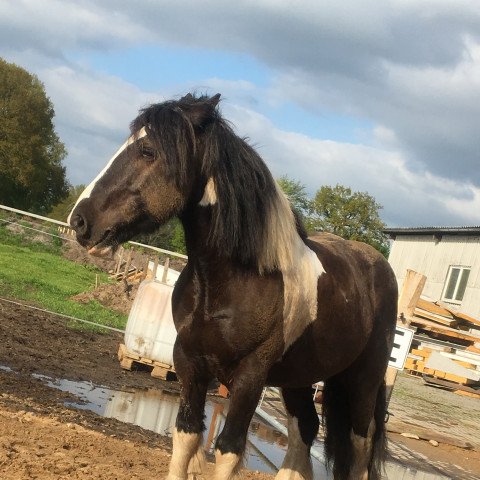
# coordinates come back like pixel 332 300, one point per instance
pixel 34 271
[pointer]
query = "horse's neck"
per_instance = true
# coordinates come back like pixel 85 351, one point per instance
pixel 196 224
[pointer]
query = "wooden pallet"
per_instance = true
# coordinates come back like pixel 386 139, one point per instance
pixel 457 388
pixel 159 370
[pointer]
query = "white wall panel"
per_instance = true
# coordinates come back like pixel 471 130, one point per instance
pixel 433 258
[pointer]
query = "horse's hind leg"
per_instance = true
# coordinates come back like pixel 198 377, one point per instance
pixel 188 457
pixel 302 429
pixel 362 433
pixel 354 411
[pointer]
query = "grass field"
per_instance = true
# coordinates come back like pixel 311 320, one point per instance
pixel 34 271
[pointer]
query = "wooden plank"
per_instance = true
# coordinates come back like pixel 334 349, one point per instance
pixel 128 358
pixel 433 308
pixel 449 321
pixel 467 394
pixel 437 328
pixel 161 364
pixel 464 364
pixel 424 352
pixel 461 316
pixel 160 372
pixel 166 266
pixel 455 378
pixel 410 294
pixel 123 352
pixel 126 363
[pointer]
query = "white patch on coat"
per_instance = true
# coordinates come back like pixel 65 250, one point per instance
pixel 296 464
pixel 88 190
pixel 300 267
pixel 210 194
pixel 227 466
pixel 362 452
pixel 188 457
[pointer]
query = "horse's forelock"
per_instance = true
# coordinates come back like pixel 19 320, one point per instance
pixel 172 135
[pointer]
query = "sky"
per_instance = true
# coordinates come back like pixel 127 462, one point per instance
pixel 382 96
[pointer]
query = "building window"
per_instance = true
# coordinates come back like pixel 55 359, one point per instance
pixel 456 284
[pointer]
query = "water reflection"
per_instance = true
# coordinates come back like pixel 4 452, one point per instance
pixel 157 410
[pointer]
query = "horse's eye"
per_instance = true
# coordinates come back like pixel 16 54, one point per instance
pixel 147 152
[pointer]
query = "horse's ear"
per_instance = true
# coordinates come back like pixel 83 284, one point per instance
pixel 187 98
pixel 201 112
pixel 215 99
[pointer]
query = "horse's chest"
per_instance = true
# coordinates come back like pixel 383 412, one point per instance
pixel 233 319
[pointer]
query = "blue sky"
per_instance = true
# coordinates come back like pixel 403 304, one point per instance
pixel 381 96
pixel 152 67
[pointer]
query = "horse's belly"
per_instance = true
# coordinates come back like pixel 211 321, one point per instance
pixel 317 355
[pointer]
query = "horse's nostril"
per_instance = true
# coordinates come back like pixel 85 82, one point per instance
pixel 78 223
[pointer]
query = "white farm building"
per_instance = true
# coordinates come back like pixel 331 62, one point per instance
pixel 448 256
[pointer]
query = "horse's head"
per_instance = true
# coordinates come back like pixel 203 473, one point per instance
pixel 155 175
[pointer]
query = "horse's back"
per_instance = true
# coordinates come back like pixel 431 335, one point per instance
pixel 340 257
pixel 357 297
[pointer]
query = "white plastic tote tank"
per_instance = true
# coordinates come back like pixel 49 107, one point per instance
pixel 150 332
pixel 152 410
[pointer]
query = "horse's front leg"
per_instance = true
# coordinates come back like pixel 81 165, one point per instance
pixel 188 458
pixel 248 382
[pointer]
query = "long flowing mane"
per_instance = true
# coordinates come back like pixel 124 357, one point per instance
pixel 252 220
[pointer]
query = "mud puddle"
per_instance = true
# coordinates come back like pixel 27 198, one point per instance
pixel 156 410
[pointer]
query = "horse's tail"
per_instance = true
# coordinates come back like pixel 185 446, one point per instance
pixel 337 424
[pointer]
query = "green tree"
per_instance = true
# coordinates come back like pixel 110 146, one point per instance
pixel 295 191
pixel 62 210
pixel 351 215
pixel 32 175
pixel 169 236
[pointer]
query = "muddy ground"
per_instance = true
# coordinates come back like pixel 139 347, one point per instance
pixel 43 439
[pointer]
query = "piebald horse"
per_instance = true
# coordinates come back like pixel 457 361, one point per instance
pixel 259 303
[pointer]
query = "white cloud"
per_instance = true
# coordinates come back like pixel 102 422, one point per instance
pixel 411 68
pixel 408 198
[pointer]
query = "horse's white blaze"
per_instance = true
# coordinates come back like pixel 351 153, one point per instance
pixel 227 466
pixel 88 190
pixel 296 464
pixel 299 265
pixel 210 194
pixel 186 457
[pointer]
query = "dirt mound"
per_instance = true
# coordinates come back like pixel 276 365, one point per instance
pixel 117 296
pixel 76 253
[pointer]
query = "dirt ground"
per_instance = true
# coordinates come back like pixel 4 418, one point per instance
pixel 43 439
pixel 40 437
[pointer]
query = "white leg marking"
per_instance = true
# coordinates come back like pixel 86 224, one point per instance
pixel 362 451
pixel 186 447
pixel 198 463
pixel 210 194
pixel 88 190
pixel 296 464
pixel 227 466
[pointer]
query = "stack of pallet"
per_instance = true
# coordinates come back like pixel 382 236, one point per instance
pixel 446 348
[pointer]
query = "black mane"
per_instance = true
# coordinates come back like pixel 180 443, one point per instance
pixel 247 194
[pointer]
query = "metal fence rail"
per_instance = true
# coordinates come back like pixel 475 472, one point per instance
pixel 65 224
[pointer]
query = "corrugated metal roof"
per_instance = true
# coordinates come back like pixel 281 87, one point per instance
pixel 475 230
